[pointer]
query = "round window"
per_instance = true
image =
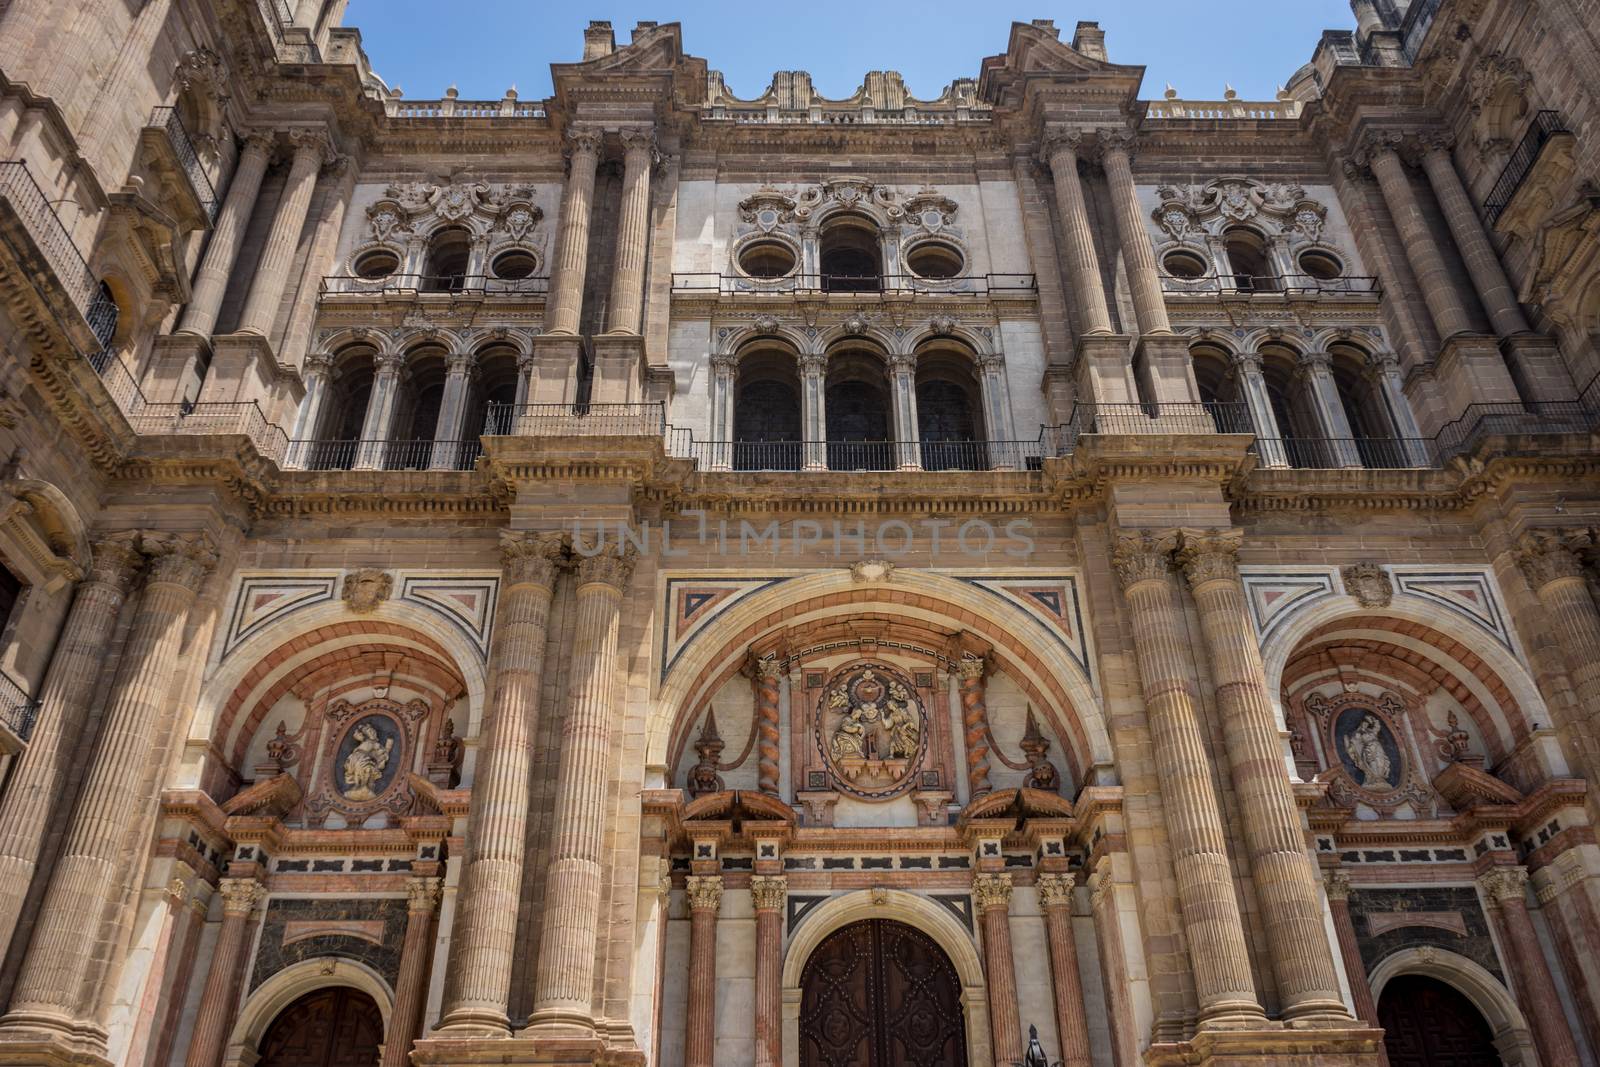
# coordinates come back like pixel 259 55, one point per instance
pixel 935 260
pixel 1323 266
pixel 767 259
pixel 515 265
pixel 1184 264
pixel 379 263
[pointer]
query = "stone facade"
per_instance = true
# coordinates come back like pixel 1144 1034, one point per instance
pixel 585 578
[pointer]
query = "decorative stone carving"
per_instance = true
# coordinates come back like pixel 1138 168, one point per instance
pixel 991 891
pixel 181 559
pixel 1196 214
pixel 1143 557
pixel 1042 774
pixel 422 894
pixel 942 325
pixel 1337 885
pixel 240 895
pixel 767 208
pixel 704 892
pixel 765 324
pixel 1209 556
pixel 1363 736
pixel 1055 890
pixel 768 892
pixel 366 588
pixel 703 776
pixel 1368 583
pixel 532 558
pixel 1502 884
pixel 870 727
pixel 931 209
pixel 282 753
pixel 1544 558
pixel 447 746
pixel 855 193
pixel 609 567
pixel 871 570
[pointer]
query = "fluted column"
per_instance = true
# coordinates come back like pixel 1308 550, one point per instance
pixel 1556 575
pixel 572 254
pixel 311 150
pixel 1253 387
pixel 992 895
pixel 1210 910
pixel 975 726
pixel 813 409
pixel 478 979
pixel 1337 884
pixel 1427 263
pixel 562 991
pixel 1286 881
pixel 75 941
pixel 1138 254
pixel 211 280
pixel 633 231
pixel 1083 264
pixel 724 378
pixel 450 428
pixel 382 403
pixel 1316 376
pixel 700 1034
pixel 1488 276
pixel 903 401
pixel 767 895
pixel 767 673
pixel 319 261
pixel 214 1019
pixel 1055 898
pixel 411 985
pixel 30 797
pixel 1506 890
pixel 317 373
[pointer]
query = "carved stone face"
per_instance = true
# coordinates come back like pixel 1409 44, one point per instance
pixel 365 589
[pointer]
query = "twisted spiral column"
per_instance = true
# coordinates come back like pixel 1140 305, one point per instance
pixel 215 1017
pixel 974 723
pixel 700 1038
pixel 768 673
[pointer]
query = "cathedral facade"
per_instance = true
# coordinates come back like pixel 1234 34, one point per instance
pixel 659 577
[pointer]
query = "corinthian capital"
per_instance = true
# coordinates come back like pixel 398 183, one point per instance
pixel 1055 890
pixel 422 894
pixel 312 141
pixel 179 559
pixel 704 892
pixel 531 558
pixel 1056 142
pixel 239 895
pixel 992 891
pixel 1337 884
pixel 1144 556
pixel 116 560
pixel 1118 144
pixel 1505 885
pixel 1209 555
pixel 768 891
pixel 582 140
pixel 1375 143
pixel 609 568
pixel 637 139
pixel 1545 557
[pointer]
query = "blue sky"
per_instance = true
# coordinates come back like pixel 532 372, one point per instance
pixel 483 46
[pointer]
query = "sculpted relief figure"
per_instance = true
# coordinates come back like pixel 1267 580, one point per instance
pixel 1366 751
pixel 365 765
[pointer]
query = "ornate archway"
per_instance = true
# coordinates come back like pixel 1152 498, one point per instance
pixel 336 1026
pixel 1512 1040
pixel 1428 1023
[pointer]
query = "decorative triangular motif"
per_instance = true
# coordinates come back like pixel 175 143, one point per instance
pixel 264 598
pixel 1053 600
pixel 1273 596
pixel 1470 593
pixel 466 600
pixel 692 602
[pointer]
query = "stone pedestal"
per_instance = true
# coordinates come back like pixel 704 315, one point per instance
pixel 175 372
pixel 1472 371
pixel 556 362
pixel 1105 369
pixel 1538 368
pixel 1167 372
pixel 243 368
pixel 618 369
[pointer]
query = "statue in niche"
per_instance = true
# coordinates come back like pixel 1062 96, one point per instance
pixel 364 766
pixel 1366 749
pixel 869 728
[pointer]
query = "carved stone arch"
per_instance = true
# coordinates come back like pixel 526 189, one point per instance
pixel 935 332
pixel 59 535
pixel 480 338
pixel 1278 336
pixel 933 919
pixel 452 341
pixel 380 341
pixel 819 204
pixel 268 1000
pixel 743 338
pixel 1215 338
pixel 1512 1037
pixel 876 336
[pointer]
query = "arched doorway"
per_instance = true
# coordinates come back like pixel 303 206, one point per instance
pixel 335 1026
pixel 1427 1023
pixel 880 993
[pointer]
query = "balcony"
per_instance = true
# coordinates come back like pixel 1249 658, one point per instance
pixel 166 140
pixel 1281 287
pixel 46 252
pixel 412 286
pixel 999 286
pixel 376 455
pixel 18 712
pixel 575 420
pixel 1547 137
pixel 291 43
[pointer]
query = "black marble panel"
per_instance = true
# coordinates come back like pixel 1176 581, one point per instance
pixel 1476 946
pixel 273 955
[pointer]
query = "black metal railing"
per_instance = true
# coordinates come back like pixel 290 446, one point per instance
pixel 474 284
pixel 1545 125
pixel 18 711
pixel 382 455
pixel 166 119
pixel 958 455
pixel 1329 453
pixel 83 290
pixel 1275 284
pixel 575 420
pixel 967 285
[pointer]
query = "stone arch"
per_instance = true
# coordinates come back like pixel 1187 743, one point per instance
pixel 268 1000
pixel 876 336
pixel 1494 1002
pixel 951 333
pixel 742 338
pixel 933 919
pixel 1023 646
pixel 377 340
pixel 58 539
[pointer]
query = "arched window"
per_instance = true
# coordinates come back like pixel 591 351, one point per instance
pixel 416 416
pixel 950 424
pixel 766 411
pixel 1213 375
pixel 494 393
pixel 1249 260
pixel 1374 432
pixel 333 445
pixel 851 257
pixel 1299 430
pixel 859 411
pixel 449 254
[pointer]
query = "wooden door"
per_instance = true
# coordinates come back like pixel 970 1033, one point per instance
pixel 333 1027
pixel 1427 1023
pixel 880 993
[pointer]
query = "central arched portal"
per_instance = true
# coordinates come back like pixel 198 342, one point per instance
pixel 879 993
pixel 335 1026
pixel 1427 1023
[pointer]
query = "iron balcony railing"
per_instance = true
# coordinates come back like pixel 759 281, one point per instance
pixel 1331 453
pixel 575 420
pixel 793 456
pixel 83 290
pixel 244 418
pixel 472 284
pixel 18 711
pixel 1015 285
pixel 167 120
pixel 1275 285
pixel 382 455
pixel 1545 125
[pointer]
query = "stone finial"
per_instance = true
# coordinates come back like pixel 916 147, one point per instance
pixel 1042 774
pixel 598 40
pixel 366 588
pixel 703 776
pixel 1368 583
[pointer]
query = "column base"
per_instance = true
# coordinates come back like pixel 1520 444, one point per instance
pixel 1537 367
pixel 442 1050
pixel 1353 1046
pixel 556 357
pixel 1471 370
pixel 22 1045
pixel 243 368
pixel 619 369
pixel 1105 369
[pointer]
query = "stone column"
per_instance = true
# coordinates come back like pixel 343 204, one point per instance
pixel 996 398
pixel 992 895
pixel 563 986
pixel 70 683
pixel 311 150
pixel 767 895
pixel 72 950
pixel 1253 387
pixel 211 280
pixel 1113 965
pixel 1138 254
pixel 1384 369
pixel 633 231
pixel 1322 392
pixel 1553 570
pixel 724 379
pixel 1210 910
pixel 478 978
pixel 411 984
pixel 317 373
pixel 1337 884
pixel 382 403
pixel 1083 265
pixel 1505 888
pixel 700 1036
pixel 1286 881
pixel 813 409
pixel 572 257
pixel 1488 276
pixel 1433 277
pixel 903 400
pixel 319 260
pixel 449 430
pixel 214 1020
pixel 767 674
pixel 1055 898
pixel 975 724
